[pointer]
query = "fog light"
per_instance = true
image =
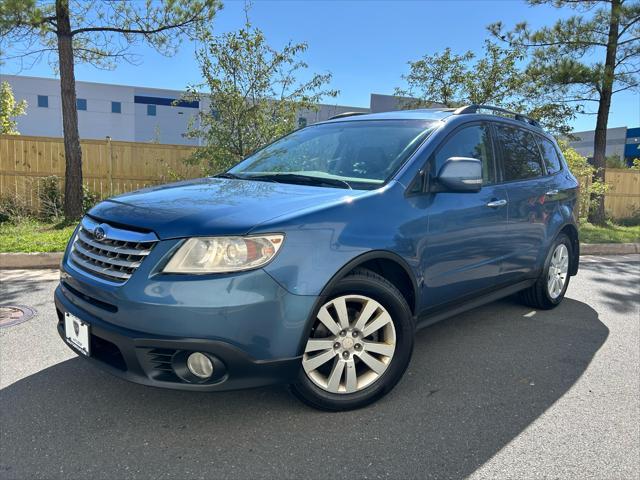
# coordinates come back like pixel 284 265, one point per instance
pixel 200 365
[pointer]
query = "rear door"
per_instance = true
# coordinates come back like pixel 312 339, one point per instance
pixel 465 244
pixel 523 176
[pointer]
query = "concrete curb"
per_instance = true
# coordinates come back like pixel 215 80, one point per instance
pixel 52 260
pixel 609 248
pixel 30 260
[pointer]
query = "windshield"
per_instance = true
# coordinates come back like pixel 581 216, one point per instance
pixel 357 154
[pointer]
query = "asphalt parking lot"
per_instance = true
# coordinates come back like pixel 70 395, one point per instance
pixel 499 392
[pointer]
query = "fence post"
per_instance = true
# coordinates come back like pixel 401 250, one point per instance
pixel 110 165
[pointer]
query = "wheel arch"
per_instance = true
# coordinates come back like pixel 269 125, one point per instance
pixel 386 264
pixel 571 231
pixel 393 265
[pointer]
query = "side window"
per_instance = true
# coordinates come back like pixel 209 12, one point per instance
pixel 550 156
pixel 520 153
pixel 472 142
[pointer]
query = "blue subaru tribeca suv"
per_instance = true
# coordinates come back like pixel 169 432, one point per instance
pixel 314 261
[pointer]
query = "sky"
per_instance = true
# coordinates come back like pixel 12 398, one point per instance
pixel 365 44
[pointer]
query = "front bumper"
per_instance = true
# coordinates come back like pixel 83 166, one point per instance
pixel 160 361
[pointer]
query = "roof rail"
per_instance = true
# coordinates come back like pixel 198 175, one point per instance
pixel 347 114
pixel 475 107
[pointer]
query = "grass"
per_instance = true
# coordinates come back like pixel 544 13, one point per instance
pixel 611 233
pixel 34 236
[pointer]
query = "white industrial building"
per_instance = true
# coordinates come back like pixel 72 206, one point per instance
pixel 622 142
pixel 126 113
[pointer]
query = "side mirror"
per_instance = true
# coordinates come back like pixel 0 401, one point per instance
pixel 461 174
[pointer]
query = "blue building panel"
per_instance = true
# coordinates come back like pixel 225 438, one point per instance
pixel 632 150
pixel 632 144
pixel 633 132
pixel 168 102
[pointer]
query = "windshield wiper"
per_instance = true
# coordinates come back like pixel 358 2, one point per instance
pixel 302 179
pixel 229 175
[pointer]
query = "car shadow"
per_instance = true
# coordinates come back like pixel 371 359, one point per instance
pixel 475 382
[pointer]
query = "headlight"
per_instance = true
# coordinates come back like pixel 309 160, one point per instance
pixel 224 254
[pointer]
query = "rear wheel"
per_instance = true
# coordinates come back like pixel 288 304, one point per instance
pixel 549 289
pixel 359 346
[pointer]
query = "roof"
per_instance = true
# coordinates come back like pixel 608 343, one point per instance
pixel 420 114
pixel 484 112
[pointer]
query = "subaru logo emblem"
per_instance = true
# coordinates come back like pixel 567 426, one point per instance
pixel 99 233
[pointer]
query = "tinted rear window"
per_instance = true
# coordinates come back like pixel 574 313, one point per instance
pixel 550 156
pixel 520 153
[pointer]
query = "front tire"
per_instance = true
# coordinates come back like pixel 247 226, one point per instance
pixel 359 346
pixel 549 289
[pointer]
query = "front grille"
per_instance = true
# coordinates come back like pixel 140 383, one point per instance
pixel 114 254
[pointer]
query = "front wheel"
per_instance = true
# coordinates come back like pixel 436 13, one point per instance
pixel 359 346
pixel 549 289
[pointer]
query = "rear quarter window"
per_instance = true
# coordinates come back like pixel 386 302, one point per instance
pixel 550 156
pixel 520 154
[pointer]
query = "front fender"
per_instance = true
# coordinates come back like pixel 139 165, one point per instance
pixel 319 244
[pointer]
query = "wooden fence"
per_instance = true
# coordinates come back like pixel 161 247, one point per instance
pixel 622 199
pixel 108 167
pixel 111 167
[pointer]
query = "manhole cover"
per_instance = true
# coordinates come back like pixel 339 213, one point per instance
pixel 15 314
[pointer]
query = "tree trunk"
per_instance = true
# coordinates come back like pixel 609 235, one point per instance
pixel 72 151
pixel 597 216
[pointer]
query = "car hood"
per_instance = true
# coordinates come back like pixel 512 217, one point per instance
pixel 213 206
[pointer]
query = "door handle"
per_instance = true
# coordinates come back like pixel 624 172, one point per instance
pixel 497 203
pixel 551 193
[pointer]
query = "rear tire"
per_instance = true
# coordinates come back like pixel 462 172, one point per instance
pixel 364 334
pixel 550 287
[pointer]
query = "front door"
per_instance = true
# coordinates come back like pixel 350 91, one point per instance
pixel 465 243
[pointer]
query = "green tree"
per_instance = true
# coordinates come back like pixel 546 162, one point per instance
pixel 9 109
pixel 253 92
pixel 497 77
pixel 441 78
pixel 97 32
pixel 585 58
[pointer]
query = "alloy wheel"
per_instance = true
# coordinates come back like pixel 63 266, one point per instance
pixel 351 345
pixel 558 270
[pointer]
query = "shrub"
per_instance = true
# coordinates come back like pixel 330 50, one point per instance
pixel 50 197
pixel 14 209
pixel 590 189
pixel 89 198
pixel 632 220
pixel 615 161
